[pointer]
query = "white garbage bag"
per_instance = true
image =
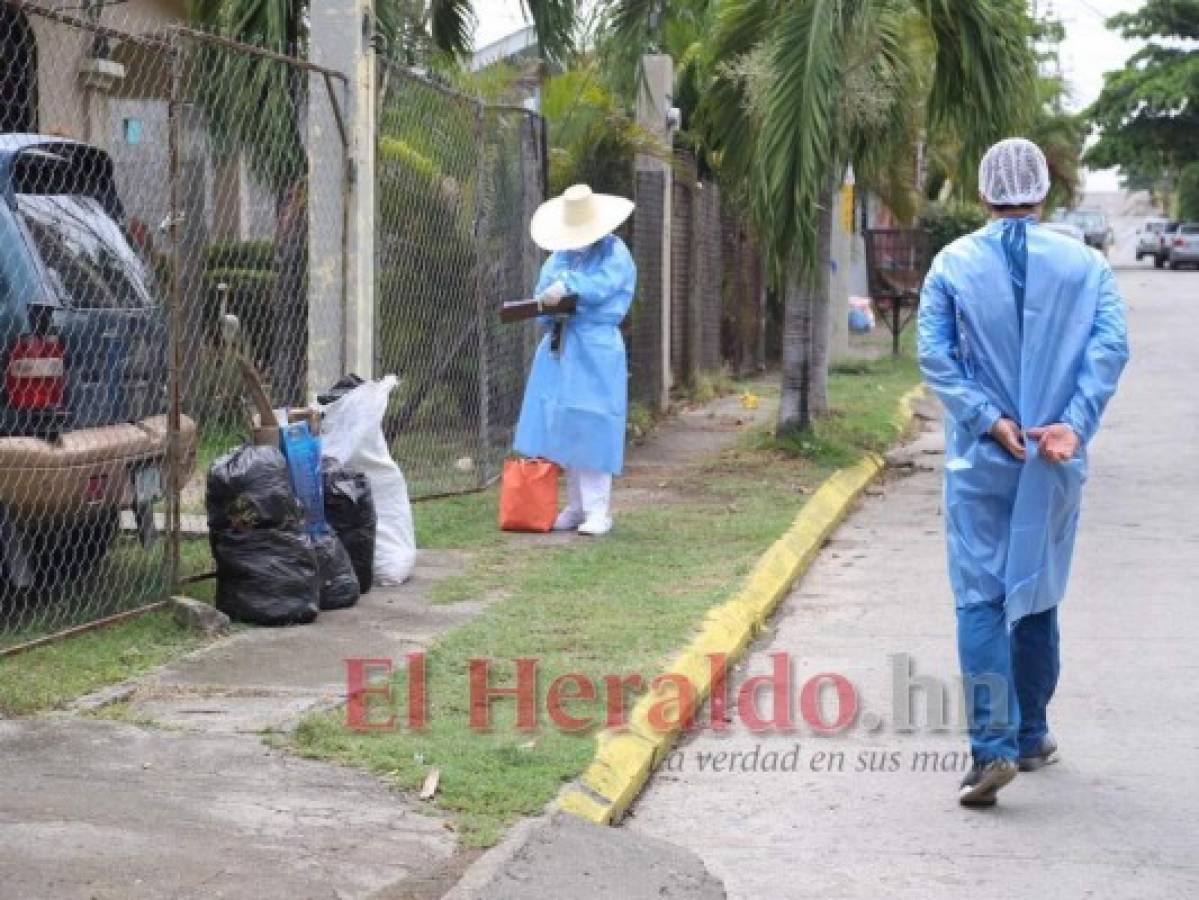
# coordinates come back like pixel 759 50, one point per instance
pixel 352 433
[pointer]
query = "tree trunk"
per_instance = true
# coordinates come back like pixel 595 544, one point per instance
pixel 290 328
pixel 821 303
pixel 794 410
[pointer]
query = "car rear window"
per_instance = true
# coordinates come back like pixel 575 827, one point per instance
pixel 87 258
pixel 1086 221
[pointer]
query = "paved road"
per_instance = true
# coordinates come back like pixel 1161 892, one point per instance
pixel 1117 816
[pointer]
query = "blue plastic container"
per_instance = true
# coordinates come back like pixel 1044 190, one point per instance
pixel 302 450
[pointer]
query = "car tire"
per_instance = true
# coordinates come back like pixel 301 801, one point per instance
pixel 60 551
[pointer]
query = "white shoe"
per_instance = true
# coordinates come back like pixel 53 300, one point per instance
pixel 568 520
pixel 596 525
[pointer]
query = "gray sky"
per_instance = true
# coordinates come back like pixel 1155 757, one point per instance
pixel 1089 49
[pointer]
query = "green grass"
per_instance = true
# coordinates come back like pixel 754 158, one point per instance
pixel 609 607
pixel 614 606
pixel 50 676
pixel 862 396
pixel 216 441
pixel 707 386
pixel 640 423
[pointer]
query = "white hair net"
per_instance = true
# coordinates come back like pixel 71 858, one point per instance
pixel 1014 173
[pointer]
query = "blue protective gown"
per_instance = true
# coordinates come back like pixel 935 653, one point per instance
pixel 1018 321
pixel 576 402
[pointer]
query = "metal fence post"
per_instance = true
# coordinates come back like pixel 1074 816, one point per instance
pixel 533 189
pixel 482 258
pixel 696 288
pixel 175 327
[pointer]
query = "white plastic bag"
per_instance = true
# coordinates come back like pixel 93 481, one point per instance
pixel 352 433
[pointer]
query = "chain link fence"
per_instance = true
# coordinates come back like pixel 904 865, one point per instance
pixel 181 203
pixel 161 180
pixel 168 183
pixel 708 292
pixel 457 182
pixel 84 318
pixel 643 325
pixel 743 333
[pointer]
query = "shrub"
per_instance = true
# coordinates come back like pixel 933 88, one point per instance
pixel 1188 193
pixel 948 222
pixel 249 295
pixel 256 255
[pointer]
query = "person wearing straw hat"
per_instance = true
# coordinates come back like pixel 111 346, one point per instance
pixel 576 399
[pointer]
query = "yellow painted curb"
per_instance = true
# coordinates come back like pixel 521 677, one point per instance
pixel 625 759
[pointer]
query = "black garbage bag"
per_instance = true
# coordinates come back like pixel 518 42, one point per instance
pixel 339 584
pixel 250 488
pixel 344 385
pixel 350 512
pixel 267 576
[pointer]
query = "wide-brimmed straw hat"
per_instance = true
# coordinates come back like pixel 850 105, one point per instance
pixel 578 218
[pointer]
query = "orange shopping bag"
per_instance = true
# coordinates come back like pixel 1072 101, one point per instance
pixel 529 495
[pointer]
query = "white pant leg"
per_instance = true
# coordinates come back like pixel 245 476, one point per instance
pixel 595 490
pixel 574 495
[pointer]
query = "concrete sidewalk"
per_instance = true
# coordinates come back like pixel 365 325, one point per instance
pixel 200 807
pixel 872 812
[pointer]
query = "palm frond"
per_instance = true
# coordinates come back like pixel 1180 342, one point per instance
pixel 885 129
pixel 985 71
pixel 452 25
pixel 730 115
pixel 252 105
pixel 554 21
pixel 628 29
pixel 800 140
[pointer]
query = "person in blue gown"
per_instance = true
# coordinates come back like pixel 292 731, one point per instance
pixel 1022 337
pixel 576 398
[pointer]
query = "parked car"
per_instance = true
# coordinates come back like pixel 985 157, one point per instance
pixel 1067 229
pixel 1149 240
pixel 83 427
pixel 1184 246
pixel 1094 226
pixel 1165 241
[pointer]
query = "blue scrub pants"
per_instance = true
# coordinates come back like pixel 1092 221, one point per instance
pixel 1009 678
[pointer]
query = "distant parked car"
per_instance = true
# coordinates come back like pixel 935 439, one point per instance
pixel 1165 241
pixel 1149 240
pixel 1067 229
pixel 83 427
pixel 1184 247
pixel 1094 226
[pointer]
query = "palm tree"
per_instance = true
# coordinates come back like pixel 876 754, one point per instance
pixel 629 29
pixel 254 107
pixel 448 26
pixel 804 87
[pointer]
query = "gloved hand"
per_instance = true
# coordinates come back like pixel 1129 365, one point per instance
pixel 1007 433
pixel 552 295
pixel 1058 442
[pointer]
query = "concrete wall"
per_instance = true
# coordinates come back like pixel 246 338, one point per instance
pixel 71 103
